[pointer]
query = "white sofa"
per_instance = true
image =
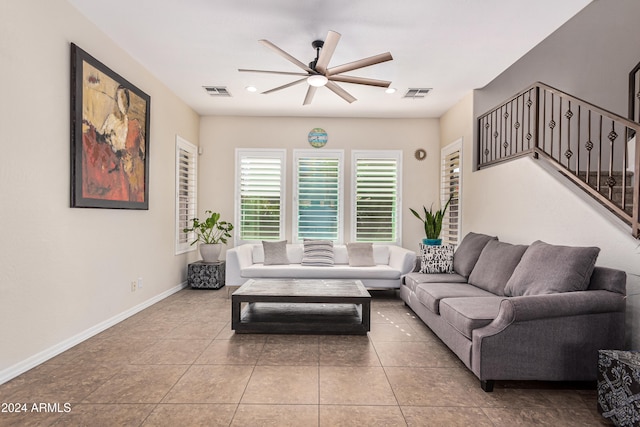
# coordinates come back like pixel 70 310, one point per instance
pixel 246 262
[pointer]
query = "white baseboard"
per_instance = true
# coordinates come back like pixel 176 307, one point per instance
pixel 39 358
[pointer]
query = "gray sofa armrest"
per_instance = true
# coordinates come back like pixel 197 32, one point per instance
pixel 519 309
pixel 549 337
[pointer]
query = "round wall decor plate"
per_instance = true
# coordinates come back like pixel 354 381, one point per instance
pixel 317 137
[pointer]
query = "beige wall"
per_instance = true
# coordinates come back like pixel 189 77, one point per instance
pixel 64 273
pixel 220 136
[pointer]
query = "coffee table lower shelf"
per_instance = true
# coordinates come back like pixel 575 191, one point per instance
pixel 302 318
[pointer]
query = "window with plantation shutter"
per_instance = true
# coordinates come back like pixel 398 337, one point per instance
pixel 186 192
pixel 260 193
pixel 450 185
pixel 317 193
pixel 376 177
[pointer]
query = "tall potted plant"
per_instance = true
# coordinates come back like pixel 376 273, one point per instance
pixel 432 223
pixel 211 233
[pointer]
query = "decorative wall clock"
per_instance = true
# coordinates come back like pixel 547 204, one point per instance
pixel 421 154
pixel 317 137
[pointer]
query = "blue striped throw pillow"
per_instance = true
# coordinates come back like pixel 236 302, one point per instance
pixel 318 253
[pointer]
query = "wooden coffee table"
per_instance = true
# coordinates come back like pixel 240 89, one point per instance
pixel 301 307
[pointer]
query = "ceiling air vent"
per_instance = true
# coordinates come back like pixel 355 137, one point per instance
pixel 414 93
pixel 217 90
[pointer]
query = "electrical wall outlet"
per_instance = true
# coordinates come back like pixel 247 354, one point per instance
pixel 140 282
pixel 134 286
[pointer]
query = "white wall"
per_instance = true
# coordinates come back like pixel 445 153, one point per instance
pixel 64 271
pixel 219 136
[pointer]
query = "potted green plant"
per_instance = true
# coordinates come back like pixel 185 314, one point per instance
pixel 432 223
pixel 211 233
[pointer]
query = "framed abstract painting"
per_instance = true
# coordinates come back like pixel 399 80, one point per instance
pixel 109 137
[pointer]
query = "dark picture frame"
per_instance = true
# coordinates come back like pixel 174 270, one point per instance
pixel 109 137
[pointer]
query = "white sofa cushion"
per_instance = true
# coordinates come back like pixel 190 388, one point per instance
pixel 311 272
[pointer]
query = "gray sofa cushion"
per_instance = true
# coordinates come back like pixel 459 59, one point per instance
pixel 411 280
pixel 469 251
pixel 467 314
pixel 430 294
pixel 495 266
pixel 548 269
pixel 275 253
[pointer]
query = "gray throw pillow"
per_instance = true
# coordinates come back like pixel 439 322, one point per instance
pixel 549 269
pixel 317 253
pixel 436 259
pixel 275 253
pixel 495 266
pixel 360 254
pixel 469 251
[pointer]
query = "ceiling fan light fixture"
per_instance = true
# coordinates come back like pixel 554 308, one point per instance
pixel 317 80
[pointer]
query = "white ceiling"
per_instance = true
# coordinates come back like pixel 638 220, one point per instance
pixel 452 46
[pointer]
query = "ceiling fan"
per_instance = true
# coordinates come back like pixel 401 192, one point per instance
pixel 317 73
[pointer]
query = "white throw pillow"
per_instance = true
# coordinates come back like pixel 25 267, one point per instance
pixel 360 254
pixel 318 253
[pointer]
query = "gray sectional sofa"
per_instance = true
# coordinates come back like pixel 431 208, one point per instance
pixel 515 312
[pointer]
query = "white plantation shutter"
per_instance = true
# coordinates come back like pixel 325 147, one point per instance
pixel 450 185
pixel 186 192
pixel 318 195
pixel 376 195
pixel 259 195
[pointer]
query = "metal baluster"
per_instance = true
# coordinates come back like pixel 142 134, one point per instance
pixel 598 173
pixel 552 125
pixel 624 168
pixel 517 124
pixel 611 180
pixel 544 122
pixel 560 132
pixel 568 154
pixel 578 142
pixel 589 145
pixel 536 140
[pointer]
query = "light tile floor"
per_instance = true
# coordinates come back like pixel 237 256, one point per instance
pixel 179 363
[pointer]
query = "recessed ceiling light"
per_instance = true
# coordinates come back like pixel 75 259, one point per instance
pixel 251 89
pixel 390 90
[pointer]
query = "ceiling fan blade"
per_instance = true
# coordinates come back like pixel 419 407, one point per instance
pixel 372 60
pixel 327 51
pixel 287 73
pixel 340 92
pixel 310 92
pixel 360 80
pixel 285 55
pixel 284 86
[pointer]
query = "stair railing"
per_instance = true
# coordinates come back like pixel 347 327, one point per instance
pixel 593 147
